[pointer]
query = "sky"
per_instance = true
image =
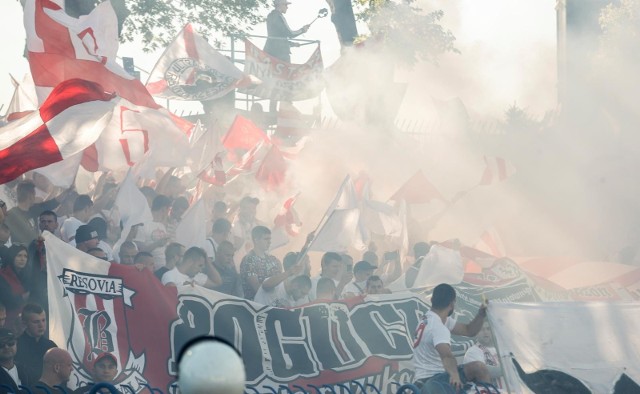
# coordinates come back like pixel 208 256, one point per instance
pixel 507 53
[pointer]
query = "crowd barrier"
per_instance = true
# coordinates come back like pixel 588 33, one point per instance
pixel 406 388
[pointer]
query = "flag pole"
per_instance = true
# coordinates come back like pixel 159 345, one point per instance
pixel 323 221
pixel 495 343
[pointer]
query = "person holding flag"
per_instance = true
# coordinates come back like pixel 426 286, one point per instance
pixel 436 369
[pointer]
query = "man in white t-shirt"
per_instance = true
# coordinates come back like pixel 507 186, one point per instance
pixel 436 369
pixel 361 272
pixel 484 352
pixel 82 211
pixel 191 271
pixel 288 288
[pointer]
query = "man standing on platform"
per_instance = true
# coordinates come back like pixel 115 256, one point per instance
pixel 279 31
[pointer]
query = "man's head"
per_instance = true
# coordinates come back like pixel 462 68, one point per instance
pixel 105 368
pixel 292 258
pixel 363 270
pixel 281 5
pixel 82 207
pixel 57 366
pixel 331 265
pixel 220 210
pixel 8 346
pixel 3 314
pixel 86 238
pixel 261 237
pixel 174 186
pixel 299 287
pixel 193 262
pixel 98 253
pixel 160 208
pixel 224 253
pixel 26 193
pixel 326 289
pixel 220 230
pixel 34 320
pixel 48 221
pixel 484 336
pixel 144 260
pixel 172 254
pixel 374 285
pixel 443 298
pixel 247 209
pixel 420 249
pixel 178 208
pixel 100 225
pixel 128 251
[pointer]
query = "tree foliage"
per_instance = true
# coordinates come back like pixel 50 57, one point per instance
pixel 406 32
pixel 156 22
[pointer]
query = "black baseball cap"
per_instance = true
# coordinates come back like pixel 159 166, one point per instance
pixel 363 266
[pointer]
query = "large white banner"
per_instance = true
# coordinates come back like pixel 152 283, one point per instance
pixel 586 346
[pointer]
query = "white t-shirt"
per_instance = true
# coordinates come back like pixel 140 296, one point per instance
pixel 69 227
pixel 13 372
pixel 151 232
pixel 278 297
pixel 354 288
pixel 210 247
pixel 178 278
pixel 430 333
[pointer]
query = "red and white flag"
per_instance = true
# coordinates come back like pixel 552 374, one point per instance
pixel 70 120
pixel 61 47
pixel 191 69
pixel 497 170
pixel 136 132
pixel 286 224
pixel 272 172
pixel 242 136
pixel 417 190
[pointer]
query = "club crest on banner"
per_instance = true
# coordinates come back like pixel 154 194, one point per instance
pixel 99 302
pixel 192 80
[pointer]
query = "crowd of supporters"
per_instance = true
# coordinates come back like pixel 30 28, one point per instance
pixel 236 260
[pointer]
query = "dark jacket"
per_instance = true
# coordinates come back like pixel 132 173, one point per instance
pixel 6 380
pixel 278 30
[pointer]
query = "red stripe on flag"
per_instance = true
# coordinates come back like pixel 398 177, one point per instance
pixel 49 69
pixel 190 43
pixel 55 37
pixel 69 93
pixel 36 150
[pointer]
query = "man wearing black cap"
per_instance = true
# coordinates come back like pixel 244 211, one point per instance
pixel 11 374
pixel 86 238
pixel 361 272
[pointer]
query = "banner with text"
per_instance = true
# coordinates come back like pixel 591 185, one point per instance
pixel 282 80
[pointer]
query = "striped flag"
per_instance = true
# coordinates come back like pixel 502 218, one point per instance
pixel 70 120
pixel 497 170
pixel 61 47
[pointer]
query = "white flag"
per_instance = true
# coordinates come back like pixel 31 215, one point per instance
pixel 192 229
